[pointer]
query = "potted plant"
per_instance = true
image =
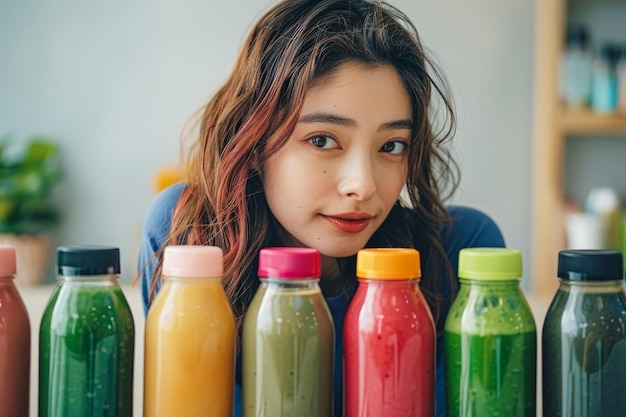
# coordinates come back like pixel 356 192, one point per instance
pixel 27 177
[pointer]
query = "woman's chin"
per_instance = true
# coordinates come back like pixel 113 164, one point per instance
pixel 339 251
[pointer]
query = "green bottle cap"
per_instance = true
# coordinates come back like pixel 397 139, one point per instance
pixel 490 264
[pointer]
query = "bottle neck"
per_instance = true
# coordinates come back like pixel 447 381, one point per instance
pixel 590 286
pixel 192 280
pixel 109 279
pixel 389 282
pixel 498 288
pixel 514 283
pixel 290 283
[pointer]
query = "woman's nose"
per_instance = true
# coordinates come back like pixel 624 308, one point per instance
pixel 358 178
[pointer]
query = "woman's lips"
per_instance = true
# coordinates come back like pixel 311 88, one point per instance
pixel 349 225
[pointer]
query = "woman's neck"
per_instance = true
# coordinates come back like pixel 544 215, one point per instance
pixel 331 282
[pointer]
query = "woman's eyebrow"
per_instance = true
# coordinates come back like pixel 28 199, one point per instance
pixel 321 117
pixel 396 125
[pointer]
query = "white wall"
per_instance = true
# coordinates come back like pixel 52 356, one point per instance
pixel 114 81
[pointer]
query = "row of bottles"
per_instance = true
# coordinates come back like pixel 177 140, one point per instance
pixel 593 78
pixel 389 338
pixel 288 338
pixel 490 338
pixel 86 339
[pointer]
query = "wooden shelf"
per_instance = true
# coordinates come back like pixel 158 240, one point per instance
pixel 596 1
pixel 585 121
pixel 552 125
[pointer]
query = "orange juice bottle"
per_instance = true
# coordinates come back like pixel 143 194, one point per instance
pixel 190 338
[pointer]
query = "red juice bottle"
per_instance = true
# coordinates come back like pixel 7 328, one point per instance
pixel 14 341
pixel 389 339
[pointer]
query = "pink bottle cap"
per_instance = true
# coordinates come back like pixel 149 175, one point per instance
pixel 7 261
pixel 289 263
pixel 193 261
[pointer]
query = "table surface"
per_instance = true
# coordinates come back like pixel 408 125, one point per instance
pixel 36 299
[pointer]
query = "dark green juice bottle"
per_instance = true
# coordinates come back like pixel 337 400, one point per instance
pixel 584 337
pixel 490 339
pixel 86 339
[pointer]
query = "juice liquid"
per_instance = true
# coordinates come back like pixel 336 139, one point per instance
pixel 389 351
pixel 288 338
pixel 14 351
pixel 584 353
pixel 495 379
pixel 86 353
pixel 491 352
pixel 189 351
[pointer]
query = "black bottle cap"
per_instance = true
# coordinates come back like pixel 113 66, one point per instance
pixel 610 53
pixel 88 260
pixel 591 265
pixel 577 35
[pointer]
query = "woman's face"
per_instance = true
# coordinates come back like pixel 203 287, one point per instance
pixel 343 167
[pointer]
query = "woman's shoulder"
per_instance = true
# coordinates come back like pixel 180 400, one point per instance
pixel 472 225
pixel 476 227
pixel 160 212
pixel 469 227
pixel 170 194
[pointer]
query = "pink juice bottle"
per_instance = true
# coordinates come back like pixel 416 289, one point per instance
pixel 389 339
pixel 14 341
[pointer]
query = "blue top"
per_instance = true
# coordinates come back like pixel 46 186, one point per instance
pixel 471 228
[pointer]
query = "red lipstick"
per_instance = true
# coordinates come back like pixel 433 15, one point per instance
pixel 349 223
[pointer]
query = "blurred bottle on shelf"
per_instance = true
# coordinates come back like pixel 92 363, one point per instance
pixel 604 80
pixel 604 202
pixel 576 65
pixel 621 82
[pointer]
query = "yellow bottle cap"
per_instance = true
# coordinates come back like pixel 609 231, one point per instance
pixel 388 264
pixel 490 264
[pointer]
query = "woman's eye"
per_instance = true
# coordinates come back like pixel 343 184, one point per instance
pixel 323 142
pixel 394 147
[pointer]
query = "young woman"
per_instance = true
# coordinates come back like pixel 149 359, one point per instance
pixel 330 133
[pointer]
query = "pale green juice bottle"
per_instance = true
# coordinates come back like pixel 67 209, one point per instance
pixel 288 339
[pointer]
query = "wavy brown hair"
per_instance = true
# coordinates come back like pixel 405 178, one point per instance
pixel 254 112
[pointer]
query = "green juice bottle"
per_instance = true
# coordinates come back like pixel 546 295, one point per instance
pixel 288 339
pixel 86 339
pixel 490 339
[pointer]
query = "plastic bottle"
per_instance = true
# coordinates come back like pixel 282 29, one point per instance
pixel 288 339
pixel 604 81
pixel 576 68
pixel 14 341
pixel 190 338
pixel 605 204
pixel 86 338
pixel 584 337
pixel 389 338
pixel 490 339
pixel 621 82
